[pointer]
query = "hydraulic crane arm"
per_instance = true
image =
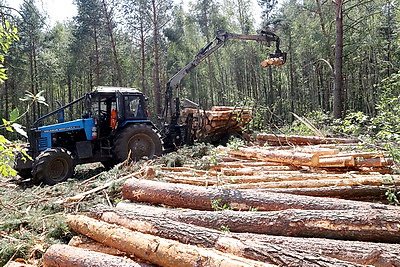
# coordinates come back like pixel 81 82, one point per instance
pixel 264 38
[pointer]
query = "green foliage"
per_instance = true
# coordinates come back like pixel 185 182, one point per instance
pixel 225 228
pixel 216 204
pixel 392 197
pixel 236 143
pixel 8 150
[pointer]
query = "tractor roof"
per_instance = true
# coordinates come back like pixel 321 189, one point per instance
pixel 109 89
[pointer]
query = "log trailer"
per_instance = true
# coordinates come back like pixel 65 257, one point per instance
pixel 115 124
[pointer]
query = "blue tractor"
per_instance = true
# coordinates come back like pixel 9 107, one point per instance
pixel 115 125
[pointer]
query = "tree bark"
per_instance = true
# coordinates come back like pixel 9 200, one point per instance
pixel 287 157
pixel 360 225
pixel 90 244
pixel 357 180
pixel 160 251
pixel 338 88
pixel 66 256
pixel 196 197
pixel 357 192
pixel 157 86
pixel 366 253
pixel 251 246
pixel 303 140
pixel 108 17
pixel 238 178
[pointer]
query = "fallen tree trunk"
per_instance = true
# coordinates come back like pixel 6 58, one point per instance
pixel 283 156
pixel 303 140
pixel 160 251
pixel 366 253
pixel 66 256
pixel 358 192
pixel 360 225
pixel 356 181
pixel 90 244
pixel 161 226
pixel 293 180
pixel 196 197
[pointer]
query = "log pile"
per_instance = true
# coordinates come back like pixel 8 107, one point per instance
pixel 257 206
pixel 217 121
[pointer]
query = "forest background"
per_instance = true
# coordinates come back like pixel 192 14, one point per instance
pixel 142 44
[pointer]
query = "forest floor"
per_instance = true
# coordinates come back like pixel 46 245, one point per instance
pixel 32 217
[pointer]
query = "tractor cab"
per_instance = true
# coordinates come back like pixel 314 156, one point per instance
pixel 115 107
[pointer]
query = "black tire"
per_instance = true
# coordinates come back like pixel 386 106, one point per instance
pixel 22 166
pixel 52 166
pixel 25 173
pixel 138 141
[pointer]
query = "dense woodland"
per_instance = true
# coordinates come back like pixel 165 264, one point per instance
pixel 142 44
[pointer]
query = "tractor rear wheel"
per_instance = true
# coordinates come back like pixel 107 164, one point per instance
pixel 139 141
pixel 52 166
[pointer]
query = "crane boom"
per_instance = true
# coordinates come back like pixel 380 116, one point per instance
pixel 264 38
pixel 171 123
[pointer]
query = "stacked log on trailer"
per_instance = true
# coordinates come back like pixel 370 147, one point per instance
pixel 217 121
pixel 256 206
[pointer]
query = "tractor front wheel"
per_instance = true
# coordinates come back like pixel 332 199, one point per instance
pixel 52 166
pixel 139 141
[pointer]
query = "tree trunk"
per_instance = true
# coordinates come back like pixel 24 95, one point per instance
pixel 142 58
pixel 358 180
pixel 360 225
pixel 252 246
pixel 338 88
pixel 357 192
pixel 84 242
pixel 366 253
pixel 160 251
pixel 108 15
pixel 97 56
pixel 303 140
pixel 157 87
pixel 196 197
pixel 66 256
pixel 287 157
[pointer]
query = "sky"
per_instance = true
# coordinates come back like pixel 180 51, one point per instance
pixel 60 10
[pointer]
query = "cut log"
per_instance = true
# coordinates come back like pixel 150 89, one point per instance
pixel 368 225
pixel 374 162
pixel 359 192
pixel 236 178
pixel 196 197
pixel 89 244
pixel 287 157
pixel 357 180
pixel 226 115
pixel 365 253
pixel 233 243
pixel 341 162
pixel 18 264
pixel 268 166
pixel 228 123
pixel 66 256
pixel 228 108
pixel 160 251
pixel 303 140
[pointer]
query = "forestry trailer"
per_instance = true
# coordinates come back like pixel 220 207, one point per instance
pixel 115 124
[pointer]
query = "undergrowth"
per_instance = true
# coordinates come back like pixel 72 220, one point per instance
pixel 31 221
